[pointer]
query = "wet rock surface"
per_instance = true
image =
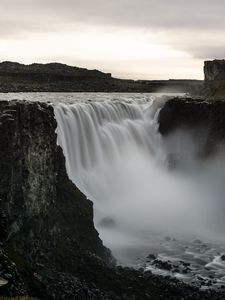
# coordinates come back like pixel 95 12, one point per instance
pixel 11 283
pixel 203 119
pixel 50 248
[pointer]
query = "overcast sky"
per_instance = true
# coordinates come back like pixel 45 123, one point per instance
pixel 152 39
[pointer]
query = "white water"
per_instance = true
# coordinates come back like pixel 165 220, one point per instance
pixel 110 148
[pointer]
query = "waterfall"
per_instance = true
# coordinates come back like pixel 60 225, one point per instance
pixel 96 134
pixel 117 158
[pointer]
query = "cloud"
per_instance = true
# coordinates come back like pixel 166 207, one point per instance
pixel 192 27
pixel 144 13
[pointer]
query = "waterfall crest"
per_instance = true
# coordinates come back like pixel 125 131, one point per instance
pixel 92 135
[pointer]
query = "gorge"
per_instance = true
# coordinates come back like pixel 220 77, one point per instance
pixel 139 174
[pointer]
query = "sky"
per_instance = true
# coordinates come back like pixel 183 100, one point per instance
pixel 142 39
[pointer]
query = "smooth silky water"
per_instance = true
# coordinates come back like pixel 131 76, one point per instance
pixel 116 156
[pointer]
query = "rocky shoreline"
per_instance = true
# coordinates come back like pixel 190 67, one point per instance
pixel 49 247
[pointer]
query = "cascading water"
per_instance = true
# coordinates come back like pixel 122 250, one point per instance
pixel 116 156
pixel 95 134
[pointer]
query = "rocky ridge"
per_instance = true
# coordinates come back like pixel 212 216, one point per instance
pixel 56 77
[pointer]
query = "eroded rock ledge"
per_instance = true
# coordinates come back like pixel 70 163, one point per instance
pixel 49 247
pixel 196 114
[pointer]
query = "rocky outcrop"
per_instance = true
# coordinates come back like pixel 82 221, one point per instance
pixel 203 119
pixel 214 86
pixel 214 70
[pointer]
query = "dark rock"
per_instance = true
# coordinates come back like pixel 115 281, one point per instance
pixel 223 257
pixel 214 70
pixel 11 283
pixel 164 265
pixel 45 220
pixel 151 257
pixel 55 77
pixel 214 86
pixel 203 120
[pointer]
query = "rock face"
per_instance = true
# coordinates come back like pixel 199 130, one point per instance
pixel 45 220
pixel 214 86
pixel 205 119
pixel 214 70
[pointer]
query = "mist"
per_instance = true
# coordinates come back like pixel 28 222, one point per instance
pixel 144 187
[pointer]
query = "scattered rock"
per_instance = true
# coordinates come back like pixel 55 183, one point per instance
pixel 151 257
pixel 164 265
pixel 3 281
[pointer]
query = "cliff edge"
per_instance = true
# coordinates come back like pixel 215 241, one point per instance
pixel 46 222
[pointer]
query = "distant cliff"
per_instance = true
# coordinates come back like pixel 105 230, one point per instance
pixel 214 86
pixel 55 77
pixel 214 70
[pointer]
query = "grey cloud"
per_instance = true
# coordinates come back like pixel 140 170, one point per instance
pixel 28 16
pixel 145 13
pixel 215 52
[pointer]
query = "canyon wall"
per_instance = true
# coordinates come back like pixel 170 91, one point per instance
pixel 46 222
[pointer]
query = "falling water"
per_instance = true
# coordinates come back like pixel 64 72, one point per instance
pixel 116 156
pixel 96 134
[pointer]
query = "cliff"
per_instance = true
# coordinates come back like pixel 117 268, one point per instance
pixel 214 70
pixel 214 86
pixel 202 119
pixel 55 77
pixel 45 220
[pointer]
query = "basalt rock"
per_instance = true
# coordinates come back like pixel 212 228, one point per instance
pixel 214 70
pixel 202 119
pixel 214 86
pixel 46 221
